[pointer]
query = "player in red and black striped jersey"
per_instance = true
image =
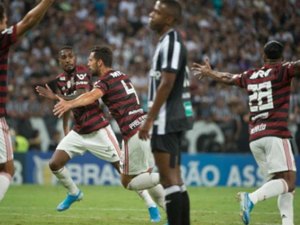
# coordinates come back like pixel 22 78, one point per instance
pixel 9 36
pixel 118 94
pixel 91 131
pixel 269 90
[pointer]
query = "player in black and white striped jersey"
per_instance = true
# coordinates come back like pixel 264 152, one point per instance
pixel 170 110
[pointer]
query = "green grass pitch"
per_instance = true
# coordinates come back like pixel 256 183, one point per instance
pixel 107 205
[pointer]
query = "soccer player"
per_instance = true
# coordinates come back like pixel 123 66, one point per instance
pixel 118 94
pixel 8 36
pixel 170 112
pixel 269 92
pixel 91 131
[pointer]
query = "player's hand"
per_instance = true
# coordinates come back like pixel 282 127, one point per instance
pixel 145 129
pixel 201 70
pixel 45 92
pixel 61 107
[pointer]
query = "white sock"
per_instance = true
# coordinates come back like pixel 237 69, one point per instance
pixel 286 208
pixel 144 194
pixel 143 181
pixel 5 179
pixel 64 177
pixel 158 194
pixel 270 189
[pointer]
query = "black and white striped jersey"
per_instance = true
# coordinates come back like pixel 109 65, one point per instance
pixel 176 113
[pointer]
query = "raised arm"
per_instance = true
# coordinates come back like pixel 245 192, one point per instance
pixel 205 70
pixel 33 17
pixel 85 99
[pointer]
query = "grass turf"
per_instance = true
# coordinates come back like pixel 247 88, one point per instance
pixel 112 205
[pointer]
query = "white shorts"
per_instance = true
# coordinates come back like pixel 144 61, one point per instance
pixel 101 143
pixel 6 149
pixel 273 155
pixel 136 156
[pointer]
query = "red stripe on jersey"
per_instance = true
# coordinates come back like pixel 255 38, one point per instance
pixel 3 88
pixel 3 66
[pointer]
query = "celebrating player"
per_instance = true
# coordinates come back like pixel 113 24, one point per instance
pixel 91 131
pixel 269 97
pixel 8 36
pixel 117 92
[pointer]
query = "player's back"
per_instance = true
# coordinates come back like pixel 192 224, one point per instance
pixel 122 101
pixel 269 96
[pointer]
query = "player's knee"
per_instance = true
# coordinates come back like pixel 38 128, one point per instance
pixel 291 186
pixel 54 166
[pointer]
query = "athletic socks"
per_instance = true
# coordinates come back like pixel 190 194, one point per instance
pixel 143 181
pixel 144 194
pixel 270 189
pixel 173 201
pixel 185 206
pixel 5 179
pixel 65 179
pixel 286 209
pixel 158 194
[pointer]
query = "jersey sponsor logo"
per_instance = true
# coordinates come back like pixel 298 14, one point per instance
pixel 155 74
pixel 8 31
pixel 82 82
pixel 116 74
pixel 81 76
pixel 258 128
pixel 135 111
pixel 260 74
pixel 137 122
pixel 260 116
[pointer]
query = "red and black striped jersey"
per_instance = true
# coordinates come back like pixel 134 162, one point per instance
pixel 7 38
pixel 87 118
pixel 122 101
pixel 269 90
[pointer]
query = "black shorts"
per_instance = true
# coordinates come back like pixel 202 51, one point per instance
pixel 170 143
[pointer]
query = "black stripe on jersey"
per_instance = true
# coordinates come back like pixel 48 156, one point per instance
pixel 280 75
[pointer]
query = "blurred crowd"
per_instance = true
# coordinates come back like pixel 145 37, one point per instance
pixel 230 32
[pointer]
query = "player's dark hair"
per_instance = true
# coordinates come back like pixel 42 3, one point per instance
pixel 66 47
pixel 273 50
pixel 104 53
pixel 174 9
pixel 2 11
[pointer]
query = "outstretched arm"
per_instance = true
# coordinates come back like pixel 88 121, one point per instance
pixel 205 70
pixel 85 99
pixel 33 17
pixel 48 93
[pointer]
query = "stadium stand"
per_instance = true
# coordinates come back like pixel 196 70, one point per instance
pixel 230 32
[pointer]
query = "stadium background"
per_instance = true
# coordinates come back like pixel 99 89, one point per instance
pixel 230 32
